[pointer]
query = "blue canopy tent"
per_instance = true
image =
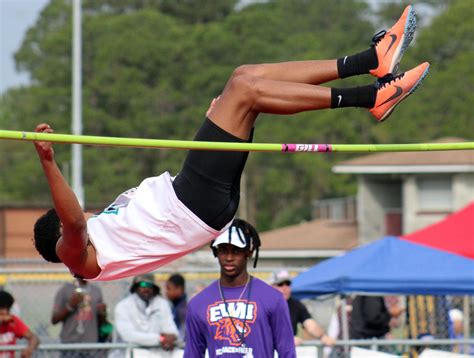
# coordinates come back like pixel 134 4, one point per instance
pixel 437 260
pixel 392 266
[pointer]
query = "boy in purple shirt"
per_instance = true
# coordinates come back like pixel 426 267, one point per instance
pixel 238 315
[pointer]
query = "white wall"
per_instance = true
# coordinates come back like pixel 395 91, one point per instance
pixel 415 219
pixel 376 195
pixel 463 189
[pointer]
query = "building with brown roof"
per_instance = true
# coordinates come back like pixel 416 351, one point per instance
pixel 401 192
pixel 305 243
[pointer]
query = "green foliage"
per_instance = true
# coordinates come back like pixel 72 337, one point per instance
pixel 151 67
pixel 198 11
pixel 190 11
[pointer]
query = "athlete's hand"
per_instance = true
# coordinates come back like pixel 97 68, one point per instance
pixel 211 106
pixel 44 149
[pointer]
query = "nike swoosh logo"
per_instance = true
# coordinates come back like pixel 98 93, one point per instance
pixel 397 93
pixel 344 62
pixel 339 100
pixel 394 38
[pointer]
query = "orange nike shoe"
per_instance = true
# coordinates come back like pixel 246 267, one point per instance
pixel 391 45
pixel 391 90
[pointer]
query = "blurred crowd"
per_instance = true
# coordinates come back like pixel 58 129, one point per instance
pixel 157 322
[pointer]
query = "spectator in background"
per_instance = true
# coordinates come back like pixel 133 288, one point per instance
pixel 396 322
pixel 299 314
pixel 456 318
pixel 342 312
pixel 420 348
pixel 12 327
pixel 176 293
pixel 80 308
pixel 15 310
pixel 144 318
pixel 238 315
pixel 370 317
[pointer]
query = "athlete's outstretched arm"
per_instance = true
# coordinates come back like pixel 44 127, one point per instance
pixel 71 249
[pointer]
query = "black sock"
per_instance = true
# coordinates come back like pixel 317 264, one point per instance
pixel 357 64
pixel 353 97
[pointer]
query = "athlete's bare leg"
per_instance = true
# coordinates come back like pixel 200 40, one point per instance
pixel 254 89
pixel 311 72
pixel 291 87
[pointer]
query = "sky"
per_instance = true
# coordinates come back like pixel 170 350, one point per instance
pixel 16 17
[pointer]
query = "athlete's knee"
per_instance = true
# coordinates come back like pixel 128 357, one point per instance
pixel 252 70
pixel 244 86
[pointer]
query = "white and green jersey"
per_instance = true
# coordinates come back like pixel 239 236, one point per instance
pixel 144 228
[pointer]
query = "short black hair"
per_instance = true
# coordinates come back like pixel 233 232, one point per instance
pixel 6 300
pixel 46 235
pixel 177 280
pixel 251 237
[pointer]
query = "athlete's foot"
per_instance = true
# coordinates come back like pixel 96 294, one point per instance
pixel 391 90
pixel 390 45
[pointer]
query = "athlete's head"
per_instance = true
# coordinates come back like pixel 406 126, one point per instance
pixel 235 246
pixel 46 234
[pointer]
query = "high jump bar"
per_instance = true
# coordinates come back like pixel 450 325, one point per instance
pixel 226 146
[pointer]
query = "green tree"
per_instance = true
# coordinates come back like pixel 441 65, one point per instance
pixel 150 69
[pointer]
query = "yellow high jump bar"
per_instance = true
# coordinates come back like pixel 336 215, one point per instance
pixel 226 146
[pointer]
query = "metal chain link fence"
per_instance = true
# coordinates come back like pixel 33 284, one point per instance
pixel 425 317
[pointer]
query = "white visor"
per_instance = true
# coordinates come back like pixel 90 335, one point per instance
pixel 237 238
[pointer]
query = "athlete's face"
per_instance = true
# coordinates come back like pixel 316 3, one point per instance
pixel 232 259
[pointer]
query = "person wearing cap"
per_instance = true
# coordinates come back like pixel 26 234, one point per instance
pixel 299 314
pixel 238 315
pixel 144 317
pixel 456 320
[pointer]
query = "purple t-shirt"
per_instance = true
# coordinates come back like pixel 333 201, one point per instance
pixel 265 316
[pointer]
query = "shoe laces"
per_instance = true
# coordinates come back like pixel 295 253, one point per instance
pixel 387 80
pixel 377 37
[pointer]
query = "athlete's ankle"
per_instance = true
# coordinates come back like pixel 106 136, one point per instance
pixel 353 97
pixel 358 64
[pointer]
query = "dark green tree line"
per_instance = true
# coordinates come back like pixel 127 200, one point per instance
pixel 150 69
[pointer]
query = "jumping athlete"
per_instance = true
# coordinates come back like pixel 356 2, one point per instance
pixel 165 218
